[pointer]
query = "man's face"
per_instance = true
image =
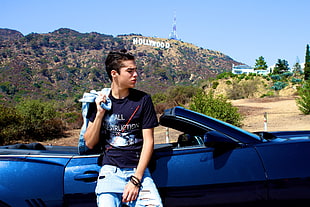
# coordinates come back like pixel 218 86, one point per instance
pixel 127 77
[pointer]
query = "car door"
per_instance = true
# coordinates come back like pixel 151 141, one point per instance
pixel 225 170
pixel 287 169
pixel 31 180
pixel 202 176
pixel 80 181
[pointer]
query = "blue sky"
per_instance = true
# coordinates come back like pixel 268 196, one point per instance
pixel 241 29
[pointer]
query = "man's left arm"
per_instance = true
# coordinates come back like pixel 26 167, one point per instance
pixel 131 191
pixel 146 153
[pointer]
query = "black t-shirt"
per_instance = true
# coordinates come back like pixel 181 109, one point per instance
pixel 121 130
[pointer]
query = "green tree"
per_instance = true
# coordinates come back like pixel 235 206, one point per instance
pixel 260 64
pixel 307 64
pixel 9 125
pixel 303 102
pixel 297 68
pixel 39 120
pixel 281 67
pixel 216 106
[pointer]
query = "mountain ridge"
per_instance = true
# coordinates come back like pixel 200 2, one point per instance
pixel 65 63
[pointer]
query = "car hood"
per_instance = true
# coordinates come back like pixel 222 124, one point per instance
pixel 190 121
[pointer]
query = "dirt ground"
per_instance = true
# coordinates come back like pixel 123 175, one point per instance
pixel 282 114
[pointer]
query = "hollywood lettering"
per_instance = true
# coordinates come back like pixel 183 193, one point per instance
pixel 141 41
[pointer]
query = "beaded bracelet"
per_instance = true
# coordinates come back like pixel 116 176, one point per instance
pixel 134 180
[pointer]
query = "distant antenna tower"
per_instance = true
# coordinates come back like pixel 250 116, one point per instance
pixel 173 35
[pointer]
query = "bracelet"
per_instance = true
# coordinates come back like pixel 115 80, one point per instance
pixel 134 180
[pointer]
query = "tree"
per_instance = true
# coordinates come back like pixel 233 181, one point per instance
pixel 260 64
pixel 9 124
pixel 303 102
pixel 307 64
pixel 39 120
pixel 297 68
pixel 281 67
pixel 216 106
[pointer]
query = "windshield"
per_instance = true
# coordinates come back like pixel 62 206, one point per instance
pixel 183 119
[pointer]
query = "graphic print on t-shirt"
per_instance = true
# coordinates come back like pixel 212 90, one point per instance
pixel 121 133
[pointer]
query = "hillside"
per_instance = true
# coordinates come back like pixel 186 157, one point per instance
pixel 64 63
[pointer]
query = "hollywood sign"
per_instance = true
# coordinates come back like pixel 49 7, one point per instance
pixel 141 41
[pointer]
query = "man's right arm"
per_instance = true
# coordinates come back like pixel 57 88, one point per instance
pixel 92 134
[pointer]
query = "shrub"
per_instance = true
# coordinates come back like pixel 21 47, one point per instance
pixel 267 78
pixel 279 85
pixel 216 106
pixel 180 95
pixel 268 94
pixel 39 120
pixel 287 74
pixel 236 91
pixel 296 80
pixel 275 77
pixel 225 75
pixel 228 82
pixel 245 89
pixel 9 124
pixel 303 102
pixel 174 96
pixel 215 84
pixel 159 98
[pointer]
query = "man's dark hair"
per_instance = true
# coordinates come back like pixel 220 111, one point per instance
pixel 114 60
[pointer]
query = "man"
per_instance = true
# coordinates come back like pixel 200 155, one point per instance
pixel 127 133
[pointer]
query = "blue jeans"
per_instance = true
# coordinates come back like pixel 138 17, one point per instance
pixel 111 183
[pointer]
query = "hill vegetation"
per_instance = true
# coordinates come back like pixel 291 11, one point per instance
pixel 63 64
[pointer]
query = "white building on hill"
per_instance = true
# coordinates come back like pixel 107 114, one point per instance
pixel 245 69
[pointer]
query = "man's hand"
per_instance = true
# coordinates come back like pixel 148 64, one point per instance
pixel 100 98
pixel 130 192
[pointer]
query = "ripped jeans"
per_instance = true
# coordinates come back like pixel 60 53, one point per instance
pixel 111 183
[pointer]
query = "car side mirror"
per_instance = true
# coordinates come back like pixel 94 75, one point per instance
pixel 216 139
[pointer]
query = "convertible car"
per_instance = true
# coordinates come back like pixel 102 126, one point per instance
pixel 212 163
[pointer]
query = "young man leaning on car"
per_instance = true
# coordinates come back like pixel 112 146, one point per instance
pixel 127 133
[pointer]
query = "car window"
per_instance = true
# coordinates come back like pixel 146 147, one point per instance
pixel 189 140
pixel 180 139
